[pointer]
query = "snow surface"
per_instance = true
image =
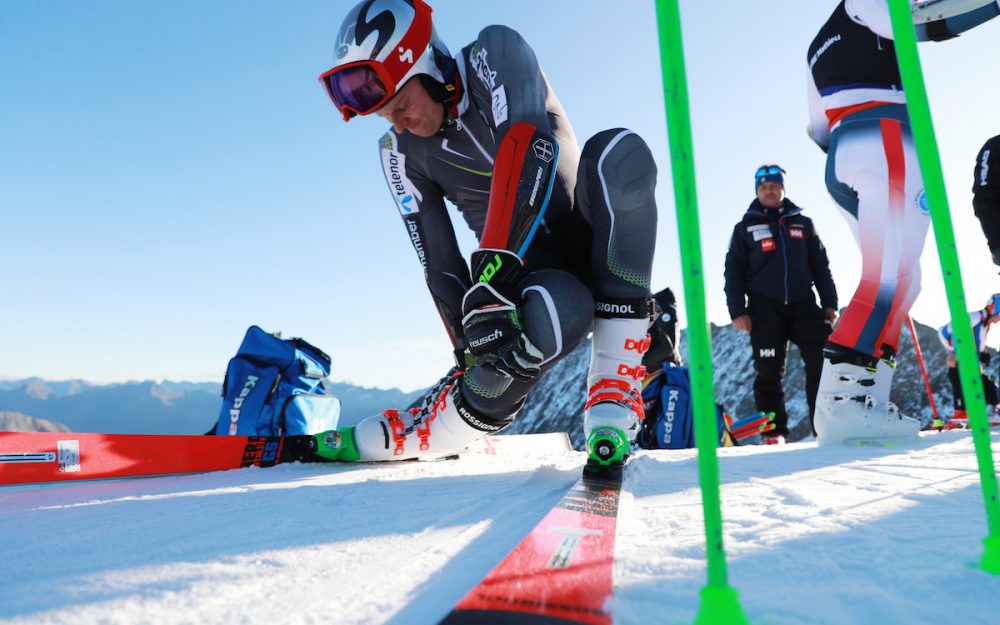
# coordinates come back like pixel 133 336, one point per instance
pixel 838 536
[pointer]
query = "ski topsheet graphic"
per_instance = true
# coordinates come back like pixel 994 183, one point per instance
pixel 561 573
pixel 27 457
pixel 47 457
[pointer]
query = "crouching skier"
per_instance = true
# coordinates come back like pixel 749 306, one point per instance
pixel 565 238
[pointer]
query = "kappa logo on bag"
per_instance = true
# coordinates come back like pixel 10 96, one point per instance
pixel 277 387
pixel 234 412
pixel 669 420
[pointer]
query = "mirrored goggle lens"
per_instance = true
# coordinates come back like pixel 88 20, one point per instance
pixel 770 170
pixel 358 88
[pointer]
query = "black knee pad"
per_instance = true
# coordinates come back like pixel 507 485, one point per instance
pixel 557 312
pixel 615 190
pixel 620 160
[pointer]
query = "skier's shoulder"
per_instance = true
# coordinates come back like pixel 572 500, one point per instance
pixel 415 149
pixel 392 141
pixel 754 213
pixel 501 40
pixel 749 221
pixel 792 209
pixel 992 147
pixel 797 216
pixel 498 51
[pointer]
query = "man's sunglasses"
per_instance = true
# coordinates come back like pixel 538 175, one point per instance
pixel 769 170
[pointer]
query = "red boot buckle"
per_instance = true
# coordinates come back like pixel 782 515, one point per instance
pixel 640 346
pixel 397 427
pixel 636 373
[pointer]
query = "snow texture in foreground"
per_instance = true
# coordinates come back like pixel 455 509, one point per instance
pixel 838 536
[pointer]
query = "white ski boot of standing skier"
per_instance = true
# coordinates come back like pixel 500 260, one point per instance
pixel 853 407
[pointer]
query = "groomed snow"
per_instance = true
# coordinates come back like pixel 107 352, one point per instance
pixel 838 536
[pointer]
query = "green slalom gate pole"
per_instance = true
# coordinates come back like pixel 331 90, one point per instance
pixel 719 602
pixel 968 360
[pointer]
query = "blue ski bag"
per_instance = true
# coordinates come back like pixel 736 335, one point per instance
pixel 277 387
pixel 669 420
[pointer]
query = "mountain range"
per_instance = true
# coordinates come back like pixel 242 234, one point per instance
pixel 148 407
pixel 555 404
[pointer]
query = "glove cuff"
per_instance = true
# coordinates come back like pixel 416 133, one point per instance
pixel 501 269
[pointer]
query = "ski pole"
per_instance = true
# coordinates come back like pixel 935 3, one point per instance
pixel 944 234
pixel 719 601
pixel 923 370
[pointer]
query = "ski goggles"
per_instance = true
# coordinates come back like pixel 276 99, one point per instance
pixel 359 88
pixel 769 173
pixel 364 86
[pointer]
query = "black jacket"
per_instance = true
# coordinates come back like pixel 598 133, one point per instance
pixel 776 253
pixel 986 192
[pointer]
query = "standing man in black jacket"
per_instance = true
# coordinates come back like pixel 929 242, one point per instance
pixel 775 257
pixel 986 194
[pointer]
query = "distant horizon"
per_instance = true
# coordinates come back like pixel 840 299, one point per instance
pixel 218 381
pixel 176 381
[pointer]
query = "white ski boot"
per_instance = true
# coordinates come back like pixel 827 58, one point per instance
pixel 614 407
pixel 441 426
pixel 884 372
pixel 853 407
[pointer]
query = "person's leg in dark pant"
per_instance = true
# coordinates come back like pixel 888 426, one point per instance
pixel 956 388
pixel 809 332
pixel 769 340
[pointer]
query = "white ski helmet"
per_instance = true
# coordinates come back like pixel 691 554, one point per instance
pixel 381 45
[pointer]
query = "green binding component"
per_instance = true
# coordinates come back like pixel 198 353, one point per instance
pixel 608 446
pixel 337 445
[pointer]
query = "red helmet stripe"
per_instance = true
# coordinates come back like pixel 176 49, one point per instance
pixel 413 44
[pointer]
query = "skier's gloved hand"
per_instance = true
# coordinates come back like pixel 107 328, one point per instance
pixel 495 335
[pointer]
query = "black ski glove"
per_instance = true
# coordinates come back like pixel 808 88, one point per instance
pixel 495 334
pixel 491 322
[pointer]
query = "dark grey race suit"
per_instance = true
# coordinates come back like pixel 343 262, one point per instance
pixel 597 238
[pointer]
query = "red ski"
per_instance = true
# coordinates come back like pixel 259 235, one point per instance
pixel 27 457
pixel 561 573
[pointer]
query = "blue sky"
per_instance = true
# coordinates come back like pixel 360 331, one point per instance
pixel 171 172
